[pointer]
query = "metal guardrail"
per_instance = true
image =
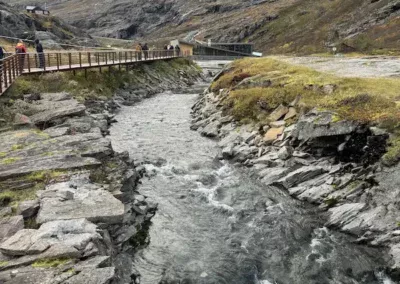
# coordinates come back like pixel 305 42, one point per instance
pixel 15 65
pixel 10 69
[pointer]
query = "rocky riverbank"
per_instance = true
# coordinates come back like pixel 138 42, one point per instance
pixel 69 206
pixel 314 156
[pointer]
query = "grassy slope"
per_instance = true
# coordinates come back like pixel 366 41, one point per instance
pixel 372 101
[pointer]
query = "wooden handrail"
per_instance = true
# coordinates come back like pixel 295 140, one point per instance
pixel 14 65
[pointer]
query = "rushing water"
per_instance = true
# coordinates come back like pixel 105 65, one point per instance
pixel 217 225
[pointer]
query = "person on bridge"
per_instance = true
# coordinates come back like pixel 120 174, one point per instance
pixel 21 50
pixel 39 50
pixel 145 49
pixel 139 51
pixel 1 53
pixel 177 50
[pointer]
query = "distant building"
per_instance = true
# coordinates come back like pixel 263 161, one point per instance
pixel 37 10
pixel 186 47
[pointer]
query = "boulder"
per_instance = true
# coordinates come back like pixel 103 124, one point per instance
pixel 24 242
pixel 94 262
pixel 28 208
pixel 278 113
pixel 56 97
pixel 56 131
pixel 211 130
pixel 89 201
pixel 285 152
pixel 271 175
pixel 55 251
pixel 10 225
pixel 343 214
pixel 301 175
pixel 273 134
pixel 291 113
pixel 69 233
pixel 5 211
pixel 93 276
pixel 20 119
pixel 277 124
pixel 58 112
pixel 267 159
pixel 317 124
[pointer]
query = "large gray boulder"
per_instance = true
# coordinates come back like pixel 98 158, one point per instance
pixel 68 233
pixel 317 124
pixel 10 225
pixel 301 175
pixel 87 201
pixel 343 214
pixel 28 208
pixel 93 276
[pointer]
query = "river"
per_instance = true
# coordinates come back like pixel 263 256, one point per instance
pixel 215 224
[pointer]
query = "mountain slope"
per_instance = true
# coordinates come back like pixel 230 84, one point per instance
pixel 275 26
pixel 51 30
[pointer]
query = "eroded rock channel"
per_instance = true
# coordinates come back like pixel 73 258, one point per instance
pixel 156 202
pixel 228 216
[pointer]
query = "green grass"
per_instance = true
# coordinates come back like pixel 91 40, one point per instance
pixel 3 263
pixel 51 263
pixel 42 176
pixel 359 99
pixel 374 101
pixel 11 197
pixel 9 161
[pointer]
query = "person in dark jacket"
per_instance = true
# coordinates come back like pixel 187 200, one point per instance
pixel 177 50
pixel 145 51
pixel 39 50
pixel 1 53
pixel 1 57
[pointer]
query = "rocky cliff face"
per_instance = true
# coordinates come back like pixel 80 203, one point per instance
pixel 70 211
pixel 274 26
pixel 51 30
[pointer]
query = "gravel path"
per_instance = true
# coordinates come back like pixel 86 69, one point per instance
pixel 366 67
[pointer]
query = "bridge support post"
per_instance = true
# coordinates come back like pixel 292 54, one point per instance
pixel 85 73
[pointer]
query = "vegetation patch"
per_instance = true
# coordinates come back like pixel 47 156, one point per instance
pixel 372 101
pixel 51 263
pixel 3 263
pixel 12 197
pixel 9 161
pixel 360 99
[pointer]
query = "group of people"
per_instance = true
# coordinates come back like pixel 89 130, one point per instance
pixel 171 47
pixel 144 49
pixel 20 48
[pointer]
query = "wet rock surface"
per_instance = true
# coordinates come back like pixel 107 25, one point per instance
pixel 69 205
pixel 321 158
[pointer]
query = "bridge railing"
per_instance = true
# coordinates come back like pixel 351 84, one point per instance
pixel 14 65
pixel 10 69
pixel 53 61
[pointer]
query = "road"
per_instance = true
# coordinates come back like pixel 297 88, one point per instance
pixel 364 67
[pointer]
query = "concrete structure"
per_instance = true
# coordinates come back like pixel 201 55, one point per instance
pixel 186 47
pixel 37 10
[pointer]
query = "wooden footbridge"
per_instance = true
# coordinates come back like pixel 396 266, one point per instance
pixel 16 65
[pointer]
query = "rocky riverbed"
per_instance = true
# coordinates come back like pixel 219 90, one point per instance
pixel 69 206
pixel 329 162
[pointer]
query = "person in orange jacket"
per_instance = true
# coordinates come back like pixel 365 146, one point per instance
pixel 21 50
pixel 139 49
